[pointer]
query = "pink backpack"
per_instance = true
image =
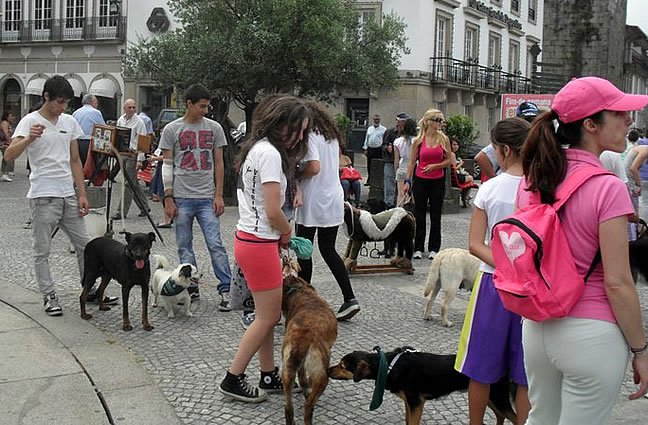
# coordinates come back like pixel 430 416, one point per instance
pixel 535 274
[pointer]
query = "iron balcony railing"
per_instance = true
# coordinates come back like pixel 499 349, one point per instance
pixel 96 28
pixel 471 74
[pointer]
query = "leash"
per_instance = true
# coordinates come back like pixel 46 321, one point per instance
pixel 383 371
pixel 381 380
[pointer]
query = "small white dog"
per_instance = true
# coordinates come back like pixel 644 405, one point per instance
pixel 171 285
pixel 448 270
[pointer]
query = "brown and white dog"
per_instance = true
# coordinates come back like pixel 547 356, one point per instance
pixel 311 330
pixel 395 225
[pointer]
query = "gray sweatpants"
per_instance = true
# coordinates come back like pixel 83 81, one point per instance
pixel 47 213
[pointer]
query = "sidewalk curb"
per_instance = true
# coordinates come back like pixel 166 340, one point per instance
pixel 125 389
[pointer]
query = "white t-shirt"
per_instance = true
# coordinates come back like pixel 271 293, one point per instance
pixel 497 198
pixel 489 151
pixel 613 161
pixel 404 146
pixel 323 196
pixel 262 165
pixel 49 155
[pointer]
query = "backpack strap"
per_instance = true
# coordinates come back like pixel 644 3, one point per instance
pixel 576 180
pixel 595 261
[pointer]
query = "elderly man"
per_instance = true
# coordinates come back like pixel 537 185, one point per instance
pixel 373 144
pixel 87 116
pixel 132 162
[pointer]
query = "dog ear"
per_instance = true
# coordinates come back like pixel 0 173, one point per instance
pixel 151 236
pixel 361 371
pixel 186 270
pixel 128 235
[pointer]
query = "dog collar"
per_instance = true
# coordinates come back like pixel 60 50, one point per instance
pixel 171 288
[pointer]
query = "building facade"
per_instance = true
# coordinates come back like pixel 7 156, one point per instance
pixel 463 55
pixel 635 70
pixel 84 40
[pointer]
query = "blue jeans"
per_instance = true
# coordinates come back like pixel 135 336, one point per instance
pixel 389 184
pixel 202 209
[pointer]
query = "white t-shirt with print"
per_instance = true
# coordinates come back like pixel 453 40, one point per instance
pixel 49 155
pixel 262 165
pixel 323 196
pixel 497 198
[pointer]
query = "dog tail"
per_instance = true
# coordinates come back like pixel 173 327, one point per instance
pixel 433 276
pixel 162 262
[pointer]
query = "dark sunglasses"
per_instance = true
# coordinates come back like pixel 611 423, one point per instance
pixel 437 120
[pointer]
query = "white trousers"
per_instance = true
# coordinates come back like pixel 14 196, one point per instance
pixel 575 368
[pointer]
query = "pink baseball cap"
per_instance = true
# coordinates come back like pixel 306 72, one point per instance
pixel 582 97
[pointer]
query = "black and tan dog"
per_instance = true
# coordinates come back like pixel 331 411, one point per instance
pixel 311 330
pixel 639 252
pixel 127 264
pixel 395 226
pixel 417 377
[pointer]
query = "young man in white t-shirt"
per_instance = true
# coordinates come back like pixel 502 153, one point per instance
pixel 50 138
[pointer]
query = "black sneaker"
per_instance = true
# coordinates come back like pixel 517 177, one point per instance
pixel 348 310
pixel 92 298
pixel 52 306
pixel 224 304
pixel 194 292
pixel 237 387
pixel 271 383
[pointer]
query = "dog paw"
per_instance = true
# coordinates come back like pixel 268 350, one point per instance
pixel 104 307
pixel 86 316
pixel 154 305
pixel 448 323
pixel 127 327
pixel 148 327
pixel 170 315
pixel 189 314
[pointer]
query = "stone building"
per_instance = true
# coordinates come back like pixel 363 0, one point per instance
pixel 635 67
pixel 84 40
pixel 582 37
pixel 463 55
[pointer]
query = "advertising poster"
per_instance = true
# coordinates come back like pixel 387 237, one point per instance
pixel 510 102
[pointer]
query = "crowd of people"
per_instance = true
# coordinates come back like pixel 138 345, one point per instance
pixel 291 166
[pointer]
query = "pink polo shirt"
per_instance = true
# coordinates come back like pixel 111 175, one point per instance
pixel 599 199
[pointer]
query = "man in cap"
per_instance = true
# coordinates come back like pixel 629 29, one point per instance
pixel 389 176
pixel 527 111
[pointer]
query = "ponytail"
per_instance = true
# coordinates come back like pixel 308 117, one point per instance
pixel 543 158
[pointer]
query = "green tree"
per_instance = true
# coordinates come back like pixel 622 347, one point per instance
pixel 242 48
pixel 462 128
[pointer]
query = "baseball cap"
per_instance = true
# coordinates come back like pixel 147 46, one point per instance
pixel 403 116
pixel 582 97
pixel 527 109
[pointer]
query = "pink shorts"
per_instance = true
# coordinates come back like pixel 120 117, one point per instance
pixel 259 261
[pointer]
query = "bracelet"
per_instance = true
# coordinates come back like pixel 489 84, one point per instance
pixel 407 181
pixel 165 198
pixel 639 350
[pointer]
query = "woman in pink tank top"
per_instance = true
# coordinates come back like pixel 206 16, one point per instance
pixel 426 179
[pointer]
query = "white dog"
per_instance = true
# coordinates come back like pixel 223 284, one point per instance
pixel 449 269
pixel 171 285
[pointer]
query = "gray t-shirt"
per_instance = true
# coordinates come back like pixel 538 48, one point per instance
pixel 193 148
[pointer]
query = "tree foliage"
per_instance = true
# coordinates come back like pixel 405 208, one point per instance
pixel 462 128
pixel 242 48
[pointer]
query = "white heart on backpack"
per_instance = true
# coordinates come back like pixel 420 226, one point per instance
pixel 514 245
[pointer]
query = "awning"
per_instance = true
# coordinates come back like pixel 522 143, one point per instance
pixel 103 87
pixel 35 86
pixel 77 86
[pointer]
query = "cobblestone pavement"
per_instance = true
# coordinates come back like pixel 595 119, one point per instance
pixel 188 356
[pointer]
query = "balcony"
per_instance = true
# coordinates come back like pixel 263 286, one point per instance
pixel 472 75
pixel 70 29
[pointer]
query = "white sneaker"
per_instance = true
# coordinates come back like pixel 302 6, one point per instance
pixel 431 255
pixel 418 255
pixel 5 178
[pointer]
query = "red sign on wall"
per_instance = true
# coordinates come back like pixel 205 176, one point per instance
pixel 510 102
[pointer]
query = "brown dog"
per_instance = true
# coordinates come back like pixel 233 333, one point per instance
pixel 311 330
